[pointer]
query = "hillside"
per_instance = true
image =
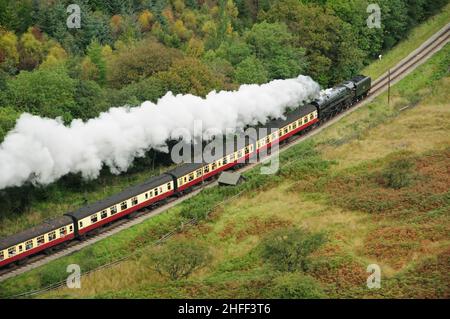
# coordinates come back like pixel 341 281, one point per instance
pixel 49 70
pixel 372 188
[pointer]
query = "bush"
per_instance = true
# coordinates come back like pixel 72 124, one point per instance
pixel 296 286
pixel 288 249
pixel 398 174
pixel 178 259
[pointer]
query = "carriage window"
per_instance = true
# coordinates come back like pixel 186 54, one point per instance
pixel 225 161
pixel 247 150
pixel 285 130
pixel 81 225
pixel 213 166
pixel 103 214
pixel 267 140
pixel 62 232
pixel 184 179
pixel 134 201
pixel 2 255
pixel 169 186
pixel 156 192
pixel 294 126
pixel 94 218
pixel 29 245
pixel 113 209
pixel 12 251
pixel 146 195
pixel 40 240
pixel 180 181
pixel 206 169
pixel 20 248
pixel 191 176
pixel 199 172
pixel 123 205
pixel 70 228
pixel 52 236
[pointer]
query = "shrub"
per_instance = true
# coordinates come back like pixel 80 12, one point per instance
pixel 288 249
pixel 398 174
pixel 178 259
pixel 296 286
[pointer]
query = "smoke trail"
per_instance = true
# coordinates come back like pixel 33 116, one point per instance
pixel 41 150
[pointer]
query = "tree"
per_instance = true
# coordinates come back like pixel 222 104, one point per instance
pixel 47 92
pixel 56 54
pixel 234 51
pixel 272 44
pixel 328 41
pixel 145 20
pixel 179 259
pixel 195 48
pixel 8 117
pixel 189 75
pixel 289 249
pixel 251 70
pixel 9 56
pixel 370 40
pixel 31 48
pixel 94 53
pixel 133 63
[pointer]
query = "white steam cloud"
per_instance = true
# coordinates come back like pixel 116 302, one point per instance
pixel 41 150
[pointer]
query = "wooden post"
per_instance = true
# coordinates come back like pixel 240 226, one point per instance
pixel 389 87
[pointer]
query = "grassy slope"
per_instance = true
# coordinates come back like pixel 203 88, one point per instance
pixel 415 38
pixel 408 239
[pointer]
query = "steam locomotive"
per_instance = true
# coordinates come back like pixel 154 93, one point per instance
pixel 55 233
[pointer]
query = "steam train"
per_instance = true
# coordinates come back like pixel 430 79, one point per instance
pixel 55 233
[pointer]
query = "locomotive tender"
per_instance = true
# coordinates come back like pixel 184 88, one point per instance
pixel 55 233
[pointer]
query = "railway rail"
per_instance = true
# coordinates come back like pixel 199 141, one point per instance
pixel 417 57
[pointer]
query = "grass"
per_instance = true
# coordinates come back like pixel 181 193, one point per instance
pixel 331 184
pixel 414 39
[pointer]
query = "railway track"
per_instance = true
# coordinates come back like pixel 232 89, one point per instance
pixel 417 57
pixel 433 44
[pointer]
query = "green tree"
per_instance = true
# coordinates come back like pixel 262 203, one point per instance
pixel 8 117
pixel 47 91
pixel 179 259
pixel 234 51
pixel 272 43
pixel 289 249
pixel 250 70
pixel 94 52
pixel 329 42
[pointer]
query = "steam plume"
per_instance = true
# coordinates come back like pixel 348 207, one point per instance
pixel 41 150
